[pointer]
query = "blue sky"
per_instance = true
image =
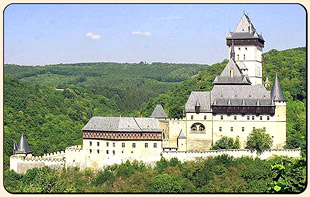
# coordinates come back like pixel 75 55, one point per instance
pixel 40 34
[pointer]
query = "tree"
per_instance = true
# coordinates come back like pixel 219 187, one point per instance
pixel 226 143
pixel 259 140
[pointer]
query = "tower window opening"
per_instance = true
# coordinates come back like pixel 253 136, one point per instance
pixel 205 117
pixel 244 56
pixel 231 129
pixel 246 48
pixel 220 129
pixel 238 57
pixel 243 129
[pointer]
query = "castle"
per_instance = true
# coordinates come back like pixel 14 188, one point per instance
pixel 237 104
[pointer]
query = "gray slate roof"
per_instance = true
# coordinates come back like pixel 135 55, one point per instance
pixel 244 30
pixel 276 92
pixel 181 135
pixel 23 147
pixel 126 124
pixel 159 112
pixel 203 98
pixel 238 77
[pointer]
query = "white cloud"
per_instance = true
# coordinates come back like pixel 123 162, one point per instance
pixel 147 33
pixel 93 36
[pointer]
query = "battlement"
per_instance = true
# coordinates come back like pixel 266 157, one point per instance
pixel 192 155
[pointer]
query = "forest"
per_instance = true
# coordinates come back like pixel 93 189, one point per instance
pixel 52 103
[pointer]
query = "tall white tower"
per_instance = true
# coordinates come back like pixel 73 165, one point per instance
pixel 248 47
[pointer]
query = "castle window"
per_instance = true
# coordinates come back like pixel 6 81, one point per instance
pixel 202 127
pixel 239 48
pixel 253 117
pixel 133 145
pixel 264 128
pixel 90 150
pixel 98 151
pixel 205 117
pixel 146 145
pixel 238 57
pixel 272 136
pixel 113 152
pixel 194 127
pixel 155 145
pixel 248 117
pixel 231 129
pixel 246 48
pixel 113 144
pixel 107 151
pixel 192 117
pixel 107 144
pixel 90 143
pixel 243 129
pixel 244 56
pixel 267 117
pixel 220 129
pixel 253 128
pixel 261 117
pixel 235 117
pixel 98 143
pixel 123 145
pixel 231 73
pixel 222 117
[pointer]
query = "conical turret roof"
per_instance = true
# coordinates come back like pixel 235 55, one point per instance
pixel 276 92
pixel 23 147
pixel 181 136
pixel 159 112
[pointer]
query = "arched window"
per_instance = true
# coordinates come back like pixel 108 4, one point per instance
pixel 231 73
pixel 194 127
pixel 198 127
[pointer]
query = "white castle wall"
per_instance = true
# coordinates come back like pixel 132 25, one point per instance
pixel 192 155
pixel 21 164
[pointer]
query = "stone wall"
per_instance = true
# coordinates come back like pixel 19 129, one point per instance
pixel 192 155
pixel 21 164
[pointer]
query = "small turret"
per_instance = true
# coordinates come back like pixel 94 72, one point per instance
pixel 23 147
pixel 181 141
pixel 276 92
pixel 232 52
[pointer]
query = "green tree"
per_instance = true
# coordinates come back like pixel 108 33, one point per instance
pixel 259 140
pixel 226 143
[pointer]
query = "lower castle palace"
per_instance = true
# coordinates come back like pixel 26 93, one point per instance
pixel 237 104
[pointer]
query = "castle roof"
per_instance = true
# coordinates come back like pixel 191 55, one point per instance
pixel 159 112
pixel 244 30
pixel 276 92
pixel 236 77
pixel 125 124
pixel 23 147
pixel 203 98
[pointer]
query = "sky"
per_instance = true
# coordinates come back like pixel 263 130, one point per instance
pixel 41 34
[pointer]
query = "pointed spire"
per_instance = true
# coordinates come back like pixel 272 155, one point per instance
pixel 276 92
pixel 159 112
pixel 232 52
pixel 181 135
pixel 267 84
pixel 23 147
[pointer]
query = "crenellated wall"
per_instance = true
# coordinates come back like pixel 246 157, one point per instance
pixel 192 155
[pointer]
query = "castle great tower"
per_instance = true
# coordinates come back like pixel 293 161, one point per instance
pixel 247 46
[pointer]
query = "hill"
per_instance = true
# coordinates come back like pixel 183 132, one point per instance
pixel 129 85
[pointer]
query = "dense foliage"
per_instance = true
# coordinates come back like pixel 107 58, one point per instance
pixel 221 174
pixel 226 143
pixel 259 140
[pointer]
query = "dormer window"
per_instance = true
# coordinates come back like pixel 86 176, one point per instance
pixel 231 73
